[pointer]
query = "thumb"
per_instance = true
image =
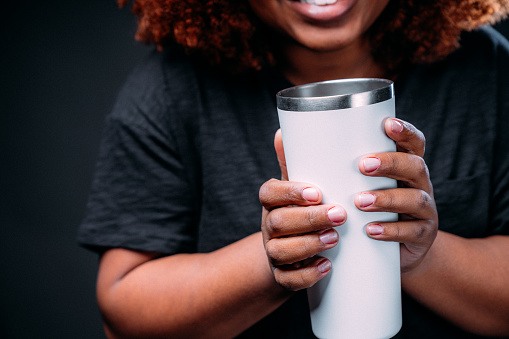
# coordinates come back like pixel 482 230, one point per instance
pixel 280 151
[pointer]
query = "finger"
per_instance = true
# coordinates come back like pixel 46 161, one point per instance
pixel 416 232
pixel 304 277
pixel 407 168
pixel 289 250
pixel 275 193
pixel 415 238
pixel 413 202
pixel 286 221
pixel 278 146
pixel 408 138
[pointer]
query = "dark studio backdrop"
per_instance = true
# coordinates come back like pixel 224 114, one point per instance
pixel 62 63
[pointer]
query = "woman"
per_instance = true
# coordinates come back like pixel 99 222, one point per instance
pixel 188 151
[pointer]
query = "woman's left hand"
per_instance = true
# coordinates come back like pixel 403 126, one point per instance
pixel 413 199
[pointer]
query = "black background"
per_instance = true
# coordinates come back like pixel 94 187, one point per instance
pixel 62 64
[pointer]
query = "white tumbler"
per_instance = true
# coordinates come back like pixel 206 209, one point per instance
pixel 327 127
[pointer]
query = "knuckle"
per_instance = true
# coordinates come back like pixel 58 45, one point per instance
pixel 273 253
pixel 293 193
pixel 385 200
pixel 388 200
pixel 392 162
pixel 308 246
pixel 264 193
pixel 421 166
pixel 425 201
pixel 296 279
pixel 285 280
pixel 303 279
pixel 413 131
pixel 422 138
pixel 419 170
pixel 274 223
pixel 313 216
pixel 397 232
pixel 392 231
pixel 420 232
pixel 415 136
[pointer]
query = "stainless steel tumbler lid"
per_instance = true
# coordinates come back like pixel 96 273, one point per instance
pixel 335 94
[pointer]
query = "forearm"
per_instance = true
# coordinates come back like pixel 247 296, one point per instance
pixel 466 282
pixel 215 295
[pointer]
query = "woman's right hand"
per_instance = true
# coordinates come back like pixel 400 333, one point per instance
pixel 296 228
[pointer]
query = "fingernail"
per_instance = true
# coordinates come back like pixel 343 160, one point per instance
pixel 310 194
pixel 375 229
pixel 329 237
pixel 366 199
pixel 336 214
pixel 396 126
pixel 324 266
pixel 371 164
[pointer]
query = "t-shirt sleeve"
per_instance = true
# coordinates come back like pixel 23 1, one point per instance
pixel 141 195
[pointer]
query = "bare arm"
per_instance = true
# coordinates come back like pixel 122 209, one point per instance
pixel 465 281
pixel 214 295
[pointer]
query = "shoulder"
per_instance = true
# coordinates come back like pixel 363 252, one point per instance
pixel 154 69
pixel 486 53
pixel 485 36
pixel 483 56
pixel 148 95
pixel 154 75
pixel 484 47
pixel 470 80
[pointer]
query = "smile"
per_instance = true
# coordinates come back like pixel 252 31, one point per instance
pixel 318 2
pixel 321 11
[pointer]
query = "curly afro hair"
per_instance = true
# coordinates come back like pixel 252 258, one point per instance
pixel 225 32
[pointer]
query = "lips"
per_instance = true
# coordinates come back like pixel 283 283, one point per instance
pixel 317 2
pixel 321 10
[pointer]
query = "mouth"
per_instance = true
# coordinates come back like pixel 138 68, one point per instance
pixel 317 2
pixel 322 10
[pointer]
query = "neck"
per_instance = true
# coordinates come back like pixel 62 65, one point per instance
pixel 301 65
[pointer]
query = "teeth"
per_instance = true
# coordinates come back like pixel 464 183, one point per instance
pixel 319 2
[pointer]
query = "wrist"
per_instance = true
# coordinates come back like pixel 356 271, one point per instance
pixel 423 267
pixel 262 269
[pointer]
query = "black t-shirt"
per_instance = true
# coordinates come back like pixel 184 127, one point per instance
pixel 186 149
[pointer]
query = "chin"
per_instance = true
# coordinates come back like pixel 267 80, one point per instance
pixel 325 45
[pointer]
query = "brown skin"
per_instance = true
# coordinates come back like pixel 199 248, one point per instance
pixel 223 32
pixel 214 295
pixel 283 223
pixel 222 293
pixel 311 50
pixel 463 280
